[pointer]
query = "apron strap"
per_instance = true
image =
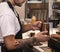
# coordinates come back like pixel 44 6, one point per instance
pixel 19 34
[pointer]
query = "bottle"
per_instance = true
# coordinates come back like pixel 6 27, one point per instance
pixel 33 20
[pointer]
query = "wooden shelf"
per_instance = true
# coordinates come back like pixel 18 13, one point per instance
pixel 34 1
pixel 37 5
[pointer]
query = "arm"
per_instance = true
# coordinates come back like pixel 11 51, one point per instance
pixel 35 26
pixel 27 27
pixel 12 43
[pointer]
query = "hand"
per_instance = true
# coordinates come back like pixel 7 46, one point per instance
pixel 36 25
pixel 41 36
pixel 55 35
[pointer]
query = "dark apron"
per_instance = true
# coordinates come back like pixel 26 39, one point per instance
pixel 27 48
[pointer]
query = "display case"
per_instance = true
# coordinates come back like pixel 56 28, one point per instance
pixel 56 13
pixel 37 8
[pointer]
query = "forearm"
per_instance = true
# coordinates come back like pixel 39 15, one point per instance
pixel 24 42
pixel 27 27
pixel 12 43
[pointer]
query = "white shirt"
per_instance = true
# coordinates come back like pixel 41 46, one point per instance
pixel 8 21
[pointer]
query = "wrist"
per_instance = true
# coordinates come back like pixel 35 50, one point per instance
pixel 33 40
pixel 31 26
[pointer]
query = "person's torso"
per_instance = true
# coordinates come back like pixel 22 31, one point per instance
pixel 4 9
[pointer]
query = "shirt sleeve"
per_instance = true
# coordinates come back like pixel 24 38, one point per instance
pixel 7 25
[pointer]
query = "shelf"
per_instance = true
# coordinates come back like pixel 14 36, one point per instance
pixel 56 10
pixel 57 1
pixel 34 1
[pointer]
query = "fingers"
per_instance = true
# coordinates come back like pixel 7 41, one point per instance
pixel 40 37
pixel 37 23
pixel 44 32
pixel 35 28
pixel 47 37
